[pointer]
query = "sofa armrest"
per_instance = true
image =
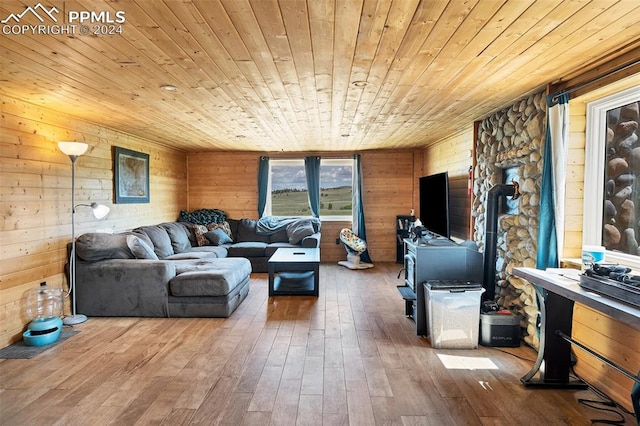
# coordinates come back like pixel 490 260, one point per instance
pixel 312 241
pixel 124 287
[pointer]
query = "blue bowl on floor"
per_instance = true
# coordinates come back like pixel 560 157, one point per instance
pixel 42 331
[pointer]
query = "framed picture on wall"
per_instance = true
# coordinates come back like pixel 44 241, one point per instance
pixel 131 176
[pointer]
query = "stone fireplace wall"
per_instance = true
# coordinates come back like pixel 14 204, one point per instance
pixel 513 139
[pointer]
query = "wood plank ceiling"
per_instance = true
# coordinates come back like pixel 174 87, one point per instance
pixel 315 75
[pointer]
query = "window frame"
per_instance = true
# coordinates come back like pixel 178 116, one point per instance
pixel 595 161
pixel 300 162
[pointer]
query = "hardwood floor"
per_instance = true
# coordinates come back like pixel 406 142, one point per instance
pixel 347 357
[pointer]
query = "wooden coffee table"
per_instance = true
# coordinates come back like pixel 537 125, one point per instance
pixel 294 271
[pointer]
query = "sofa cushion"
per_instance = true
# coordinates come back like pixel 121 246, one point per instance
pixel 271 248
pixel 312 241
pixel 95 246
pixel 139 248
pixel 247 232
pixel 192 255
pixel 233 226
pixel 248 249
pixel 218 237
pixel 190 233
pixel 298 230
pixel 179 235
pixel 209 278
pixel 219 251
pixel 142 236
pixel 161 241
pixel 280 236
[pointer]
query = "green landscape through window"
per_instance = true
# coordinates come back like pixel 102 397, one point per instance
pixel 289 195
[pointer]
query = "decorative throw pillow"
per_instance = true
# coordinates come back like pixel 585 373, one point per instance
pixel 200 230
pixel 218 237
pixel 140 249
pixel 298 230
pixel 95 246
pixel 224 226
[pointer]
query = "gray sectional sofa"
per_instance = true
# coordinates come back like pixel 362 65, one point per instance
pixel 178 269
pixel 257 245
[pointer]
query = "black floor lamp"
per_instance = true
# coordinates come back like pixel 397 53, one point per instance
pixel 74 150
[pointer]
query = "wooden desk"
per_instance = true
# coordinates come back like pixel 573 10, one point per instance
pixel 563 290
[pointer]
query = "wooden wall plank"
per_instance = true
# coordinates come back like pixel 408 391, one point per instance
pixel 608 336
pixel 214 182
pixel 35 197
pixel 454 155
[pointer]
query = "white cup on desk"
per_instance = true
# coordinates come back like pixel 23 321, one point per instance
pixel 591 255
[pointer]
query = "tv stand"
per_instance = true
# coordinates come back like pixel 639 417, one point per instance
pixel 435 259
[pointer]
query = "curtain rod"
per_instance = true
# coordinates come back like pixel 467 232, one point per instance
pixel 556 95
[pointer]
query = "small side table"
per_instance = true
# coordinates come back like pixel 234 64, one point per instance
pixel 294 271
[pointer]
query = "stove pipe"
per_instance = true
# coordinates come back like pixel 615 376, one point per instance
pixel 491 236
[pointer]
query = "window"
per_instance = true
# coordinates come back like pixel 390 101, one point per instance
pixel 288 189
pixel 289 195
pixel 612 171
pixel 336 189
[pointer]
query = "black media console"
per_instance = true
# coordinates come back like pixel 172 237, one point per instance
pixel 435 258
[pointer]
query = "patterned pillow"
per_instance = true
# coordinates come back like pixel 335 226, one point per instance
pixel 200 230
pixel 224 226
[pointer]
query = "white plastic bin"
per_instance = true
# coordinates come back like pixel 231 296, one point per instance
pixel 453 313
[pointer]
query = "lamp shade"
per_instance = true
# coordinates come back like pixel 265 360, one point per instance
pixel 99 210
pixel 73 148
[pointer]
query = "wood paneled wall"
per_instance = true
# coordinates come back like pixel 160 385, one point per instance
pixel 35 198
pixel 454 155
pixel 228 181
pixel 575 182
pixel 388 186
pixel 605 335
pixel 609 337
pixel 224 180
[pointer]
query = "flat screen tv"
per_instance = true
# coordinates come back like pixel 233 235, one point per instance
pixel 434 203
